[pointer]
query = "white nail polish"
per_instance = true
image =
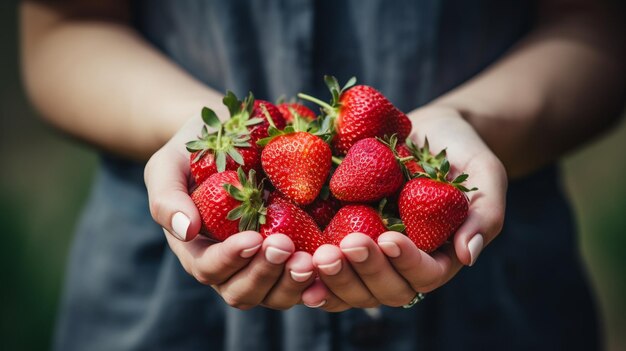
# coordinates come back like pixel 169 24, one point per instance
pixel 180 224
pixel 390 248
pixel 331 268
pixel 247 253
pixel 300 277
pixel 276 256
pixel 318 305
pixel 356 254
pixel 475 246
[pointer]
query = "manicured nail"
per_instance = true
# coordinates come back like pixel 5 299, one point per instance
pixel 247 253
pixel 356 254
pixel 474 246
pixel 276 256
pixel 300 277
pixel 316 306
pixel 331 268
pixel 390 248
pixel 180 224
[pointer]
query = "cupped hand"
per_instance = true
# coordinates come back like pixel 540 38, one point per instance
pixel 391 271
pixel 245 269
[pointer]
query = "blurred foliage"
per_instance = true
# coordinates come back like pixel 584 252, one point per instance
pixel 45 178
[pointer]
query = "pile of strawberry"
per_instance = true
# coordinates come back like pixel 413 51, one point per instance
pixel 282 169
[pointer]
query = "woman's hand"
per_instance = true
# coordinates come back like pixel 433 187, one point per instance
pixel 246 270
pixel 364 273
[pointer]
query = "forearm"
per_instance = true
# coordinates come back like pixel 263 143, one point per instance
pixel 558 88
pixel 96 79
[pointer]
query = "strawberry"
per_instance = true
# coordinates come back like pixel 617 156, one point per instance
pixel 412 166
pixel 433 208
pixel 288 109
pixel 323 209
pixel 217 152
pixel 354 218
pixel 369 172
pixel 420 154
pixel 228 203
pixel 297 164
pixel 360 112
pixel 252 116
pixel 283 216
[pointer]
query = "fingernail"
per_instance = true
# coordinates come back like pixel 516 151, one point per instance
pixel 301 277
pixel 276 256
pixel 356 254
pixel 180 224
pixel 316 306
pixel 331 268
pixel 390 248
pixel 247 253
pixel 474 246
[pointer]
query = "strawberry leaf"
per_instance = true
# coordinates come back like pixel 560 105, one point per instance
pixel 235 213
pixel 460 179
pixel 210 118
pixel 220 160
pixel 234 192
pixel 235 155
pixel 399 227
pixel 232 103
pixel 349 84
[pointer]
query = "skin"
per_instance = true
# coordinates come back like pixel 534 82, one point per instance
pixel 506 122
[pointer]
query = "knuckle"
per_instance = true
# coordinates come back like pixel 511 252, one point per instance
pixel 235 301
pixel 202 277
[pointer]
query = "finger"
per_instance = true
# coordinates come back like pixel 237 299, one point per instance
pixel 166 176
pixel 336 273
pixel 319 296
pixel 486 211
pixel 249 287
pixel 422 271
pixel 213 263
pixel 372 266
pixel 298 274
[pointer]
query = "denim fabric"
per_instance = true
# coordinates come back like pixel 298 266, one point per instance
pixel 125 290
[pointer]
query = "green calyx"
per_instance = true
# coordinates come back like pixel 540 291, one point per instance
pixel 422 154
pixel 218 143
pixel 441 174
pixel 319 127
pixel 391 223
pixel 252 212
pixel 240 112
pixel 392 143
pixel 330 110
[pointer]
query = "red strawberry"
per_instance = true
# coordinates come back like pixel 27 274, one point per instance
pixel 289 108
pixel 251 115
pixel 360 112
pixel 323 210
pixel 412 165
pixel 369 172
pixel 283 216
pixel 228 203
pixel 351 219
pixel 297 164
pixel 259 131
pixel 217 151
pixel 433 208
pixel 420 155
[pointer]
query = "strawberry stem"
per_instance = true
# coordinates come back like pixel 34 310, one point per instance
pixel 329 109
pixel 337 160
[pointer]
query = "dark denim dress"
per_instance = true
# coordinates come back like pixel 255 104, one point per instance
pixel 125 289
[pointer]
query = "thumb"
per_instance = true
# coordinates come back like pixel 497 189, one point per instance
pixel 166 176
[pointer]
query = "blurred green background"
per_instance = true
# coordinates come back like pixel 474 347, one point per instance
pixel 45 179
